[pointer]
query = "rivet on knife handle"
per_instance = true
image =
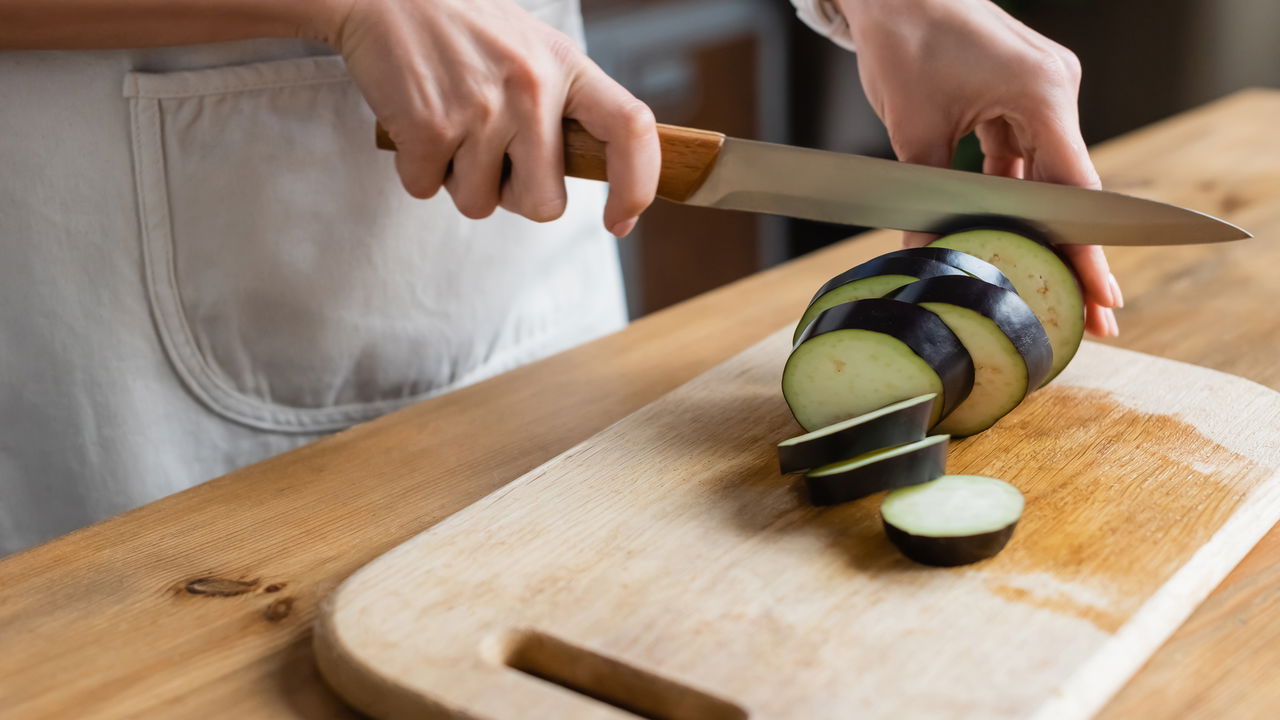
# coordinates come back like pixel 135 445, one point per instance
pixel 687 156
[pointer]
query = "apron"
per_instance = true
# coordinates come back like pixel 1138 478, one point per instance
pixel 204 262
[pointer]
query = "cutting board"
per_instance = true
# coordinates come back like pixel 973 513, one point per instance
pixel 663 569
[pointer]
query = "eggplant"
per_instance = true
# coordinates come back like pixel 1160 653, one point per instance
pixel 871 279
pixel 896 424
pixel 1010 350
pixel 972 265
pixel 859 356
pixel 1043 278
pixel 953 520
pixel 877 471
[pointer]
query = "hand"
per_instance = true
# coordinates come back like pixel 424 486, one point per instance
pixel 459 83
pixel 936 70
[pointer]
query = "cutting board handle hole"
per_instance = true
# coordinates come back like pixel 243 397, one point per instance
pixel 630 689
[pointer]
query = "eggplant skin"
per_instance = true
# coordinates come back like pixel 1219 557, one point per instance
pixel 899 471
pixel 890 264
pixel 922 331
pixel 975 266
pixel 949 551
pixel 898 428
pixel 1005 308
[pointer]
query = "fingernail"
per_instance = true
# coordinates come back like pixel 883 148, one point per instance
pixel 1117 297
pixel 1113 327
pixel 623 228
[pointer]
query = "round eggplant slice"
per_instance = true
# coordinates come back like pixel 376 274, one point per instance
pixel 877 471
pixel 896 424
pixel 954 520
pixel 1010 351
pixel 972 265
pixel 871 279
pixel 860 356
pixel 1043 278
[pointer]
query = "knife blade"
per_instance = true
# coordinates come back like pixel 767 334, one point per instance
pixel 708 169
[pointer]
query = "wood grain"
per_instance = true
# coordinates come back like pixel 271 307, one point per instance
pixel 98 623
pixel 668 545
pixel 687 157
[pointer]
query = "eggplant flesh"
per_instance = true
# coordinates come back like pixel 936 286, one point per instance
pixel 871 279
pixel 884 469
pixel 896 424
pixel 860 356
pixel 1042 277
pixel 953 520
pixel 1010 350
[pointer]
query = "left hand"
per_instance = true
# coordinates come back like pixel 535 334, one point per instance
pixel 936 70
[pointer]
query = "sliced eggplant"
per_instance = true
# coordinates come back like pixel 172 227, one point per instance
pixel 1043 278
pixel 877 471
pixel 860 356
pixel 972 265
pixel 953 520
pixel 896 424
pixel 1010 351
pixel 871 279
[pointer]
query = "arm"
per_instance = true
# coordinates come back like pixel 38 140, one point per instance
pixel 457 84
pixel 936 70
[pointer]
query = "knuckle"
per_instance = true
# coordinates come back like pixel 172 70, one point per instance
pixel 474 208
pixel 563 49
pixel 635 119
pixel 419 187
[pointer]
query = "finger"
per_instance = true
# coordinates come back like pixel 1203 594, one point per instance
pixel 1094 273
pixel 535 188
pixel 422 159
pixel 1056 151
pixel 917 239
pixel 1101 321
pixel 475 182
pixel 630 134
pixel 1000 152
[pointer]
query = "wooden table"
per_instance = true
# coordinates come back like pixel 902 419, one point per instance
pixel 201 603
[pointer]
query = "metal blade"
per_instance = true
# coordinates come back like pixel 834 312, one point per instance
pixel 856 190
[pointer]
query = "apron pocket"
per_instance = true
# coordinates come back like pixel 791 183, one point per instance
pixel 279 249
pixel 297 288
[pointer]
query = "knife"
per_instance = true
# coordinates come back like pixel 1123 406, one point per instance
pixel 705 168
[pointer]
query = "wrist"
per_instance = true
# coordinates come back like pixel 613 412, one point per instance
pixel 320 20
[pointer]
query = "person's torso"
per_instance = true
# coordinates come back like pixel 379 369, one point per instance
pixel 204 261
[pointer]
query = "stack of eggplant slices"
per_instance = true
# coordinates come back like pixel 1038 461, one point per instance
pixel 897 355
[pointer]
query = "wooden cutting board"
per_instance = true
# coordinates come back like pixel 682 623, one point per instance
pixel 665 567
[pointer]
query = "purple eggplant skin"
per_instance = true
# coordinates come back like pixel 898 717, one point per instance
pixel 1005 308
pixel 949 551
pixel 922 331
pixel 916 267
pixel 974 266
pixel 907 425
pixel 912 468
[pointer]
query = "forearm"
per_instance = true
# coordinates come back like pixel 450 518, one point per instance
pixel 88 24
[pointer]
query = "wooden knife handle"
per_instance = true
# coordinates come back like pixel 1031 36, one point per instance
pixel 687 156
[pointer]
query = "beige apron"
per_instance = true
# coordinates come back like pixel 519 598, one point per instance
pixel 215 265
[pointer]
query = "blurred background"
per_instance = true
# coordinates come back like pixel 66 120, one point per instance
pixel 748 68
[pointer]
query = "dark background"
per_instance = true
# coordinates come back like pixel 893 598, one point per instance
pixel 750 69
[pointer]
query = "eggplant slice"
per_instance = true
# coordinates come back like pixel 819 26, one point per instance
pixel 1011 353
pixel 860 356
pixel 1043 278
pixel 877 471
pixel 892 425
pixel 871 279
pixel 972 265
pixel 953 520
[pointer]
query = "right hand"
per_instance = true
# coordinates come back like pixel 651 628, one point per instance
pixel 459 83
